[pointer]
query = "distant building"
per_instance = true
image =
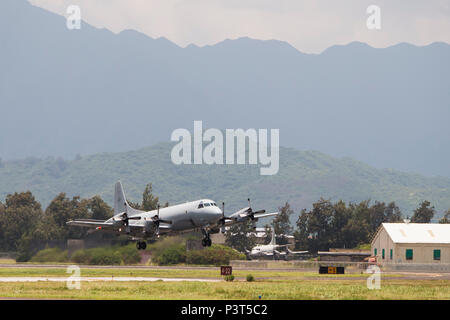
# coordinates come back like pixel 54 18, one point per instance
pixel 412 243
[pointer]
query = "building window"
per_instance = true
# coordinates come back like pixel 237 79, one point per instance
pixel 409 254
pixel 382 253
pixel 375 251
pixel 391 253
pixel 437 254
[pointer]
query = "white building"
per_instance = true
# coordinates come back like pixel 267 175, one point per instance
pixel 412 243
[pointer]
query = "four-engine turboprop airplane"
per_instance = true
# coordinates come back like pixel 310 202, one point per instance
pixel 271 250
pixel 145 225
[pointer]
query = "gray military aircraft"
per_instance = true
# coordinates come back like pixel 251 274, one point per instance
pixel 271 250
pixel 140 225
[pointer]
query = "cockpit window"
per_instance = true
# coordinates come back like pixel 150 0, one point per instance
pixel 200 205
pixel 214 204
pixel 207 204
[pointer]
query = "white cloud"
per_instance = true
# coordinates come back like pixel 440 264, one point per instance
pixel 310 26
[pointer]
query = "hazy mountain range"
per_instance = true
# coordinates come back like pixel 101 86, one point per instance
pixel 304 177
pixel 64 92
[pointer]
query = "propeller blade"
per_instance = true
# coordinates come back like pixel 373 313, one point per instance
pixel 134 218
pixel 259 211
pixel 223 210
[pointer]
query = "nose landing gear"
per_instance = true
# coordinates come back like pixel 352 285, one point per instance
pixel 141 245
pixel 206 242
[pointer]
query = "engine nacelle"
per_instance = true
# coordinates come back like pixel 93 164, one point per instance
pixel 151 228
pixel 240 215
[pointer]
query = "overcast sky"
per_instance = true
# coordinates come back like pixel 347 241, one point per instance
pixel 311 26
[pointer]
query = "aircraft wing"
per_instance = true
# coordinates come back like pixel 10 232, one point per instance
pixel 91 223
pixel 264 215
pixel 297 252
pixel 246 214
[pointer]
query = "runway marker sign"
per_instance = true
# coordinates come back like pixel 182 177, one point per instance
pixel 226 270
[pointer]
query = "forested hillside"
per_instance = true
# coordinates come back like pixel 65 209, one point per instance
pixel 303 178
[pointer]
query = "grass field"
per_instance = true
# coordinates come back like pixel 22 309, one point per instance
pixel 268 285
pixel 305 289
pixel 7 261
pixel 173 273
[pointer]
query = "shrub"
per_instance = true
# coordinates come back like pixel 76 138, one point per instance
pixel 129 254
pixel 229 278
pixel 81 257
pixel 50 255
pixel 100 256
pixel 169 250
pixel 103 256
pixel 23 257
pixel 250 278
pixel 172 255
pixel 108 255
pixel 214 255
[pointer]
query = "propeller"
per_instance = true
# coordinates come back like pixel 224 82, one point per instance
pixel 250 213
pixel 244 214
pixel 155 222
pixel 124 218
pixel 222 220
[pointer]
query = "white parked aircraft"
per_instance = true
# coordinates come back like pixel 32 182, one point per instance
pixel 143 225
pixel 271 250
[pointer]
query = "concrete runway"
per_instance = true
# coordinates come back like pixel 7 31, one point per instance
pixel 90 279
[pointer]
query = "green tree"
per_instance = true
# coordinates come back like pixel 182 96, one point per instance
pixel 268 233
pixel 149 201
pixel 241 236
pixel 2 235
pixel 341 216
pixel 393 213
pixel 281 223
pixel 19 216
pixel 314 227
pixel 446 217
pixel 61 210
pixel 424 213
pixel 99 209
pixel 336 225
pixel 380 213
pixel 357 229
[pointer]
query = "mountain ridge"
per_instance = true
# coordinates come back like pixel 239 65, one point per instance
pixel 91 90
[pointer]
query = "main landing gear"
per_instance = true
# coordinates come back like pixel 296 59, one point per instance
pixel 141 245
pixel 206 242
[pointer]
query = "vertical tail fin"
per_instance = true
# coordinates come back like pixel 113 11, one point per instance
pixel 120 201
pixel 273 237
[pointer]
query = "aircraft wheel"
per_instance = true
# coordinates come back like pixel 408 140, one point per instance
pixel 208 242
pixel 204 243
pixel 143 245
pixel 138 245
